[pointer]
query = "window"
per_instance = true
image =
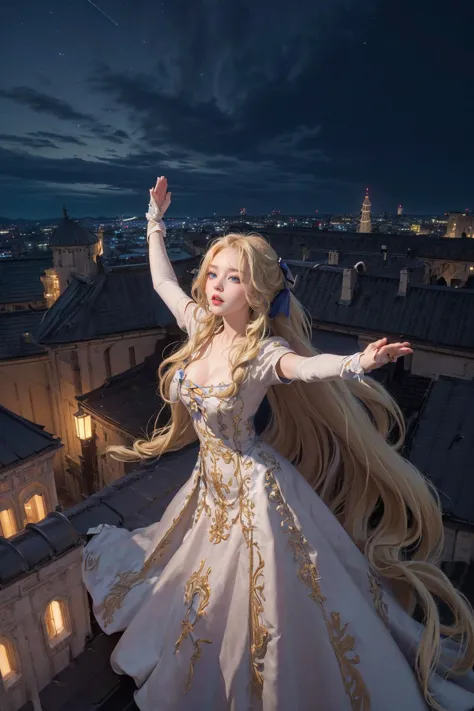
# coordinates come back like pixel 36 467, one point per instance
pixel 8 526
pixel 8 662
pixel 56 621
pixel 35 508
pixel 107 363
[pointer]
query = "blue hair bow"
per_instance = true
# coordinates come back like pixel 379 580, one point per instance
pixel 281 302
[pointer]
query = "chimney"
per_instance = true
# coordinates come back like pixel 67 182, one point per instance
pixel 349 281
pixel 403 283
pixel 333 257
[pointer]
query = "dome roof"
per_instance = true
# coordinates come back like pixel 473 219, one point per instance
pixel 71 234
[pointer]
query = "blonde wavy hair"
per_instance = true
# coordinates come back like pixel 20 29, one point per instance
pixel 382 501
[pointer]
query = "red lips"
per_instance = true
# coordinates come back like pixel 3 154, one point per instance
pixel 217 299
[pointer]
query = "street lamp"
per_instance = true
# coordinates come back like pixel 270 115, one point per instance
pixel 88 458
pixel 83 423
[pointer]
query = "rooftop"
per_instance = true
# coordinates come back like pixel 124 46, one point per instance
pixel 377 308
pixel 112 302
pixel 21 439
pixel 421 246
pixel 14 329
pixel 442 445
pixel 20 279
pixel 71 234
pixel 138 499
pixel 131 399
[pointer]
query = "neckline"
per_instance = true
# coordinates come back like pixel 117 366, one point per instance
pixel 187 379
pixel 206 387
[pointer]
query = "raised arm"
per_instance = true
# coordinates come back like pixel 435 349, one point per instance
pixel 326 366
pixel 163 275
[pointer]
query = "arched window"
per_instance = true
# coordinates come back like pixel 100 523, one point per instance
pixel 9 669
pixel 56 619
pixel 8 525
pixel 35 508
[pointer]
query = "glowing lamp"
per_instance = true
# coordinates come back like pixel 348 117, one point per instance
pixel 83 424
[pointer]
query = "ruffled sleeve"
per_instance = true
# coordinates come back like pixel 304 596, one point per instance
pixel 272 350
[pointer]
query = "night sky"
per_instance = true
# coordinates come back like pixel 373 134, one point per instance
pixel 292 105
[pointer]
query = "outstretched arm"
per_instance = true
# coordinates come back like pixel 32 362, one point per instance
pixel 163 275
pixel 326 366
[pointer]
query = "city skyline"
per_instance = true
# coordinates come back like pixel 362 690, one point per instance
pixel 264 107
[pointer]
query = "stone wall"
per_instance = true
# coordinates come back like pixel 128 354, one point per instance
pixel 34 654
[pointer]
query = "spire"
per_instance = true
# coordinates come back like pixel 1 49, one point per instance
pixel 365 223
pixel 66 216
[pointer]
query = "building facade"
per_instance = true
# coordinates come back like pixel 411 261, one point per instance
pixel 27 483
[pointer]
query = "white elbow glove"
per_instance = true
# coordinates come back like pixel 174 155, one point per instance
pixel 327 367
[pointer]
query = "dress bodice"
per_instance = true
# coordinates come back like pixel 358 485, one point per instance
pixel 230 420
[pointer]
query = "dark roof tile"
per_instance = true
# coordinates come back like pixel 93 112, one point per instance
pixel 424 247
pixel 377 308
pixel 113 302
pixel 131 399
pixel 442 445
pixel 20 279
pixel 21 439
pixel 70 233
pixel 13 324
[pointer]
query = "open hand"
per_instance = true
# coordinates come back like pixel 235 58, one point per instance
pixel 160 198
pixel 381 352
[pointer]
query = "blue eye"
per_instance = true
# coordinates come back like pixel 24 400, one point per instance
pixel 232 277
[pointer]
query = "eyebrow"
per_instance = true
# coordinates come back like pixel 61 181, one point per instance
pixel 214 266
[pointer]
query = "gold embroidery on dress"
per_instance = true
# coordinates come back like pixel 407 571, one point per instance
pixel 125 581
pixel 214 450
pixel 91 561
pixel 379 603
pixel 196 589
pixel 342 643
pixel 225 510
pixel 258 632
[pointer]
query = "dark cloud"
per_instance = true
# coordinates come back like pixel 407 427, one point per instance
pixel 297 106
pixel 60 138
pixel 46 104
pixel 27 141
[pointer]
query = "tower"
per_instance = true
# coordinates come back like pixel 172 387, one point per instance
pixel 243 211
pixel 365 225
pixel 75 251
pixel 400 210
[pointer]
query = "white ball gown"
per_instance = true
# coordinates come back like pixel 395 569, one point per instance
pixel 248 594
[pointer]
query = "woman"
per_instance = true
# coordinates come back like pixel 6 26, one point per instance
pixel 278 577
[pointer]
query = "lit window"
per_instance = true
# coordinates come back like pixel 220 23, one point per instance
pixel 56 621
pixel 8 662
pixel 35 509
pixel 7 523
